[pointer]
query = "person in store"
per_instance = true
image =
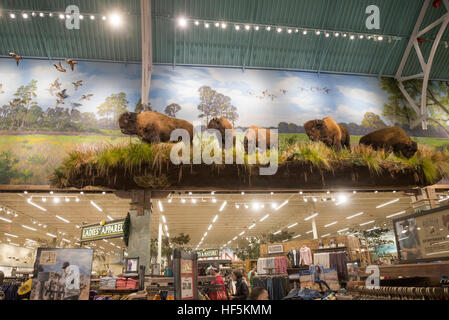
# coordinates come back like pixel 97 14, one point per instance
pixel 71 281
pixel 317 278
pixel 2 277
pixel 168 271
pixel 409 241
pixel 258 293
pixel 219 294
pixel 251 274
pixel 241 288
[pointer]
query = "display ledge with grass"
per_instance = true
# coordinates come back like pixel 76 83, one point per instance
pixel 302 165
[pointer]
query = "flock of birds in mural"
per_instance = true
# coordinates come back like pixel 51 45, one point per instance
pixel 266 93
pixel 55 86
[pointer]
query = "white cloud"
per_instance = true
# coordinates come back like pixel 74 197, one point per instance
pixel 369 97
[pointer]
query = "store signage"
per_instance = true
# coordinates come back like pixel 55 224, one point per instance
pixel 112 229
pixel 187 277
pixel 423 236
pixel 208 253
pixel 277 248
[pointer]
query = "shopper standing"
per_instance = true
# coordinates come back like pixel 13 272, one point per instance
pixel 251 274
pixel 220 294
pixel 241 289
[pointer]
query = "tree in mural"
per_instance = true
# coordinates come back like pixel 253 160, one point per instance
pixel 172 109
pixel 139 106
pixel 7 167
pixel 398 110
pixel 112 108
pixel 214 104
pixel 372 121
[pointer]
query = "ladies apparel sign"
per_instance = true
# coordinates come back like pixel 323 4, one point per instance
pixel 111 229
pixel 423 236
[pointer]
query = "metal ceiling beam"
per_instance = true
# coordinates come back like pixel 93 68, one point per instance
pixel 426 66
pixel 147 51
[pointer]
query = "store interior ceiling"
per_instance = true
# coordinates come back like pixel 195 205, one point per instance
pixel 322 48
pixel 227 217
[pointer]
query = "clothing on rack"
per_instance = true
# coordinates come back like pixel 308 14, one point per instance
pixel 293 256
pixel 10 291
pixel 337 260
pixel 279 264
pixel 277 286
pixel 305 256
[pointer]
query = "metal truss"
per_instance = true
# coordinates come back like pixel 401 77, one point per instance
pixel 426 66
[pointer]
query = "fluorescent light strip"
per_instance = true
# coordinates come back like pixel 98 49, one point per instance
pixel 251 226
pixel 11 235
pixel 35 205
pixel 96 206
pixel 14 244
pixel 297 236
pixel 372 229
pixel 4 219
pixel 165 227
pixel 161 209
pixel 277 232
pixel 215 218
pixel 325 235
pixel 163 219
pixel 110 218
pixel 310 231
pixel 396 214
pixel 234 238
pixel 310 217
pixel 242 233
pixel 222 206
pixel 30 240
pixel 330 224
pixel 292 225
pixel 62 219
pixel 29 228
pixel 342 230
pixel 51 235
pixel 365 223
pixel 444 199
pixel 205 233
pixel 355 215
pixel 283 204
pixel 264 217
pixel 66 240
pixel 210 227
pixel 387 203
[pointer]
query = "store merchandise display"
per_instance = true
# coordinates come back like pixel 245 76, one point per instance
pixel 272 265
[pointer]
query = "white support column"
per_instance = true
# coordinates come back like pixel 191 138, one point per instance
pixel 147 50
pixel 315 232
pixel 426 66
pixel 159 245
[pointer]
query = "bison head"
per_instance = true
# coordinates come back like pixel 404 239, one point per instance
pixel 128 123
pixel 215 123
pixel 313 129
pixel 407 149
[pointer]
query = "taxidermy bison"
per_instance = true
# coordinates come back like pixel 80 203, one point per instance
pixel 152 126
pixel 391 139
pixel 262 139
pixel 221 124
pixel 329 132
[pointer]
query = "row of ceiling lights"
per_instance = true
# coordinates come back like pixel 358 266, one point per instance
pixel 183 23
pixel 115 19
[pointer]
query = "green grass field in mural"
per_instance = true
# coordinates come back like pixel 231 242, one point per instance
pixel 30 159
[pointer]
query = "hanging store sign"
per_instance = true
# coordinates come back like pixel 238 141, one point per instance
pixel 277 248
pixel 424 236
pixel 111 229
pixel 210 253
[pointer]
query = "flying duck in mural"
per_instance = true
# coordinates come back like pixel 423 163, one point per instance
pixel 72 63
pixel 16 57
pixel 59 67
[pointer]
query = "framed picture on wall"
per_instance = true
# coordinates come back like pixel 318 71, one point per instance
pixel 132 265
pixel 276 248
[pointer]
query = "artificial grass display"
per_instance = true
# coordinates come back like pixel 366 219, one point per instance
pixel 302 164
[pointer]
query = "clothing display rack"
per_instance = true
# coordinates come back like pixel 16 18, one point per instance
pixel 400 293
pixel 278 286
pixel 272 265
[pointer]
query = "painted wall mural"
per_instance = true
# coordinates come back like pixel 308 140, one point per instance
pixel 46 109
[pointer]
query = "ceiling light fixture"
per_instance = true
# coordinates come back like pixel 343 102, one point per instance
pixel 6 220
pixel 11 235
pixel 35 205
pixel 387 203
pixel 29 228
pixel 96 206
pixel 210 227
pixel 242 233
pixel 325 235
pixel 62 219
pixel 355 215
pixel 311 217
pixel 330 224
pixel 110 218
pixel 163 219
pixel 343 230
pixel 264 217
pixel 292 225
pixel 297 236
pixel 365 223
pixel 215 219
pixel 277 232
pixel 396 214
pixel 161 209
pixel 222 206
pixel 282 204
pixel 251 226
pixel 310 231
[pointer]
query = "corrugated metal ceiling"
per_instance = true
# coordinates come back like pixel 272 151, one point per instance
pixel 196 45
